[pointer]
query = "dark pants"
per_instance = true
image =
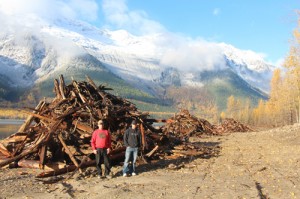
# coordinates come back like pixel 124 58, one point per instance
pixel 101 157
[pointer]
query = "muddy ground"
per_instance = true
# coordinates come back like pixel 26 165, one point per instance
pixel 262 164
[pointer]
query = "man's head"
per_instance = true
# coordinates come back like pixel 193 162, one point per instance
pixel 133 124
pixel 100 124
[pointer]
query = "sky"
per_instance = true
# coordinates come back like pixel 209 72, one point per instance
pixel 262 26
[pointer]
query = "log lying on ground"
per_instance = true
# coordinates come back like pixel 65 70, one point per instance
pixel 35 164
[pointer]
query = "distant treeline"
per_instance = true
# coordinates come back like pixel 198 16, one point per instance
pixel 283 106
pixel 12 114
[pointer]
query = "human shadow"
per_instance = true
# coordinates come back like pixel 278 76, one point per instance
pixel 144 164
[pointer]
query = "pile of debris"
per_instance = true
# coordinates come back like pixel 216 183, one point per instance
pixel 56 135
pixel 229 125
pixel 185 125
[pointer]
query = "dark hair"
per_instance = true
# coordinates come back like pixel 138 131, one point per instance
pixel 134 122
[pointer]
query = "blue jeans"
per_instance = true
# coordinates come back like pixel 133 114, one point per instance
pixel 130 152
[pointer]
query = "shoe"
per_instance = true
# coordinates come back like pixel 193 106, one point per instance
pixel 124 175
pixel 98 177
pixel 108 177
pixel 133 174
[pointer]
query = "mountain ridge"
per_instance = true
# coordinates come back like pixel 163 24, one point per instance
pixel 31 58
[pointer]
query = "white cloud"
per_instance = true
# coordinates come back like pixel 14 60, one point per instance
pixel 190 55
pixel 216 11
pixel 118 15
pixel 27 18
pixel 51 9
pixel 278 63
pixel 174 49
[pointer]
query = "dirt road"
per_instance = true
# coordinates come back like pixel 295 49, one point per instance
pixel 250 165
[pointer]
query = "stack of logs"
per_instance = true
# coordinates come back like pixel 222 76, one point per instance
pixel 185 125
pixel 56 135
pixel 230 125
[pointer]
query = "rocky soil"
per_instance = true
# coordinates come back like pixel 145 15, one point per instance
pixel 263 164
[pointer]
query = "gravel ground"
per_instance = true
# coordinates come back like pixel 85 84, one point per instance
pixel 262 164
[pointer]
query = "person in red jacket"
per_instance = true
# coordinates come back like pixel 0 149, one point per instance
pixel 101 145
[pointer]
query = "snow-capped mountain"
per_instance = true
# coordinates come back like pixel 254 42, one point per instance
pixel 32 55
pixel 250 66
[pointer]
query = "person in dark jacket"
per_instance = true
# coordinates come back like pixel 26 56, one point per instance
pixel 101 145
pixel 132 141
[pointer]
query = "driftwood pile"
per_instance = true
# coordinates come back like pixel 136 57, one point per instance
pixel 185 125
pixel 56 135
pixel 230 125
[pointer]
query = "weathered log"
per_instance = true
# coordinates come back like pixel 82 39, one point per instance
pixel 152 120
pixel 62 88
pixel 82 127
pixel 65 170
pixel 3 159
pixel 188 152
pixel 35 164
pixel 14 139
pixel 32 149
pixel 118 150
pixel 39 116
pixel 83 99
pixel 85 159
pixel 143 135
pixel 103 96
pixel 42 154
pixel 152 151
pixel 4 150
pixel 30 117
pixel 71 168
pixel 56 89
pixel 68 152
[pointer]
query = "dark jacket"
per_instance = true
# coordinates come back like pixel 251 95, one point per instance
pixel 132 138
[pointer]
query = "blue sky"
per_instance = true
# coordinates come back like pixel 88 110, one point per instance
pixel 263 26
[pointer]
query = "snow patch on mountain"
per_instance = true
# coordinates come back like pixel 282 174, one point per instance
pixel 250 66
pixel 141 60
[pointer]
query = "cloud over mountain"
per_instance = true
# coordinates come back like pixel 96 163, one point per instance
pixel 51 9
pixel 55 26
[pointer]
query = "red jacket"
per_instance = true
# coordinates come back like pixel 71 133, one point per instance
pixel 101 139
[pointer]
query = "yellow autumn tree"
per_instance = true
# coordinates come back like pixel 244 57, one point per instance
pixel 260 113
pixel 230 106
pixel 289 100
pixel 292 64
pixel 245 111
pixel 222 116
pixel 273 106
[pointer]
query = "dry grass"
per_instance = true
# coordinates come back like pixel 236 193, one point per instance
pixel 12 114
